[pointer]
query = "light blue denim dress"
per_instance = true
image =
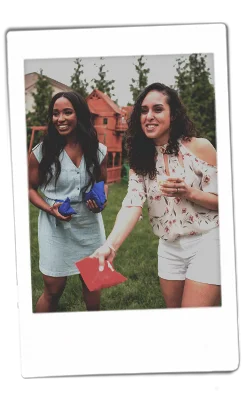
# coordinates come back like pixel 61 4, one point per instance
pixel 61 243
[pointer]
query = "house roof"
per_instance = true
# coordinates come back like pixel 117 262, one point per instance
pixel 127 110
pixel 30 80
pixel 104 106
pixel 96 107
pixel 92 108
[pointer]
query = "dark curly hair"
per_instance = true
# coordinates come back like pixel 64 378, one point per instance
pixel 54 143
pixel 141 149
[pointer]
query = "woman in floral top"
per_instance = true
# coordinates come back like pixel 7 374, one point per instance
pixel 176 173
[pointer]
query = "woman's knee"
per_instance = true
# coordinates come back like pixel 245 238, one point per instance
pixel 172 291
pixel 198 294
pixel 54 287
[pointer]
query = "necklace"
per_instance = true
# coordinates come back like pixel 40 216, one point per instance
pixel 163 149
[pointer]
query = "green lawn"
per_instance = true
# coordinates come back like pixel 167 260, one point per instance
pixel 136 259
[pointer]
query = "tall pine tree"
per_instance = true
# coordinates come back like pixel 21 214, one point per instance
pixel 103 84
pixel 42 96
pixel 137 85
pixel 77 84
pixel 197 93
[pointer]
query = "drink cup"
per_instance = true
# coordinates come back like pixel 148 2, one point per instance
pixel 161 179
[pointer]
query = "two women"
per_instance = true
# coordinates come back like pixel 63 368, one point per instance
pixel 171 169
pixel 176 173
pixel 66 164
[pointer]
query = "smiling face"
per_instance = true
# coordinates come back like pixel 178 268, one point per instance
pixel 155 117
pixel 64 116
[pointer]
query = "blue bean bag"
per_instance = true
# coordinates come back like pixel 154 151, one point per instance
pixel 97 194
pixel 65 208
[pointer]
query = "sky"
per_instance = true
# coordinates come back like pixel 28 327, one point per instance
pixel 121 69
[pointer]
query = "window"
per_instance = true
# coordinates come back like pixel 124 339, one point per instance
pixel 110 160
pixel 117 159
pixel 105 121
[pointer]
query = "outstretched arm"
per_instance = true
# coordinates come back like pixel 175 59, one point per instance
pixel 126 219
pixel 125 222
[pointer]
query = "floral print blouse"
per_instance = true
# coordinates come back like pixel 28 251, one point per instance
pixel 172 217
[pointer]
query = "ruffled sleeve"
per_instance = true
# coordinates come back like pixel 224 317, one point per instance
pixel 136 194
pixel 37 151
pixel 209 178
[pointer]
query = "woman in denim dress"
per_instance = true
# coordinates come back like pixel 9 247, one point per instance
pixel 66 164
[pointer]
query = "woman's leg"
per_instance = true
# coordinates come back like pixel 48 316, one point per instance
pixel 202 286
pixel 172 292
pixel 91 299
pixel 197 294
pixel 53 289
pixel 172 272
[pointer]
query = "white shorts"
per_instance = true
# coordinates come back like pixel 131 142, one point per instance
pixel 193 257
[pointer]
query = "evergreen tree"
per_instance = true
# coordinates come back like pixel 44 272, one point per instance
pixel 42 96
pixel 197 93
pixel 103 84
pixel 77 84
pixel 137 85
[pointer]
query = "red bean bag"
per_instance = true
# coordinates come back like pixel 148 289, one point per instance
pixel 96 277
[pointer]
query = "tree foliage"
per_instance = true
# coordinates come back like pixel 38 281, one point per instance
pixel 42 95
pixel 137 85
pixel 103 84
pixel 77 84
pixel 197 93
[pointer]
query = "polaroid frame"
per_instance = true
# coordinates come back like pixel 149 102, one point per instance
pixel 131 341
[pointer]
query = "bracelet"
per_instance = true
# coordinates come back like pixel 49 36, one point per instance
pixel 110 246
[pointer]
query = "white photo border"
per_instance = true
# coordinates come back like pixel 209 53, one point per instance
pixel 131 341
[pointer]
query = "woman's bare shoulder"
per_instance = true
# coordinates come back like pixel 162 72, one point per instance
pixel 202 149
pixel 32 161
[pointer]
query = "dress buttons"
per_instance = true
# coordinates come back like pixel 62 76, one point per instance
pixel 78 172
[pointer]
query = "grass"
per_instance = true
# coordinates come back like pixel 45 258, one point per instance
pixel 136 259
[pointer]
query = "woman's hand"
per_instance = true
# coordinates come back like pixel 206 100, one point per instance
pixel 197 196
pixel 54 211
pixel 175 187
pixel 92 206
pixel 104 253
